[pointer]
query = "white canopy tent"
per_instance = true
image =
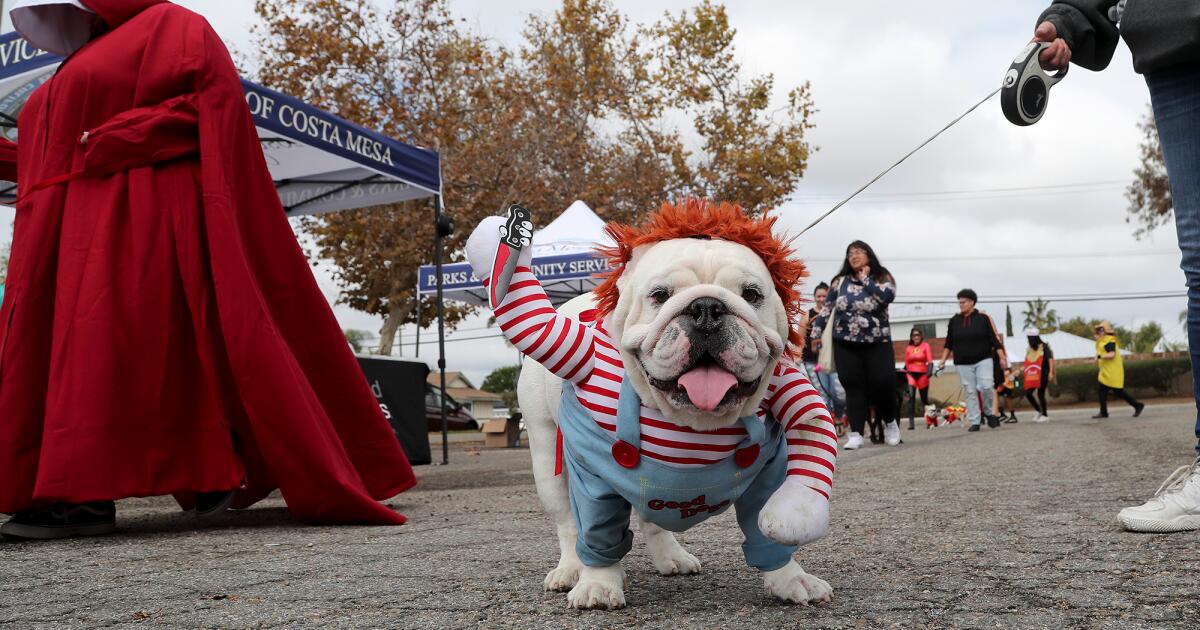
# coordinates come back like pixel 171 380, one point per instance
pixel 1063 344
pixel 563 259
pixel 320 163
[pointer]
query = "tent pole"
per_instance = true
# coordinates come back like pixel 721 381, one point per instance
pixel 417 347
pixel 437 258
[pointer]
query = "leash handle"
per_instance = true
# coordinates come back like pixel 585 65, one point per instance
pixel 1025 93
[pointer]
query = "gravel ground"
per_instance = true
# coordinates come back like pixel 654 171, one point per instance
pixel 1006 528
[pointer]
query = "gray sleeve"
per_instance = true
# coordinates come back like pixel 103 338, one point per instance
pixel 1085 26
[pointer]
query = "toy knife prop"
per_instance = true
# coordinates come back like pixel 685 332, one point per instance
pixel 516 235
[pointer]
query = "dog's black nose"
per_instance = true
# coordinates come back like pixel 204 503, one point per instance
pixel 706 312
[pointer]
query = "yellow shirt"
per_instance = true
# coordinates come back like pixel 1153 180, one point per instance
pixel 1112 371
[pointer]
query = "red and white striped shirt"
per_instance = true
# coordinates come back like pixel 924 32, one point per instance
pixel 585 354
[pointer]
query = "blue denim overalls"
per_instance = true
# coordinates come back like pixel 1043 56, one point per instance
pixel 606 478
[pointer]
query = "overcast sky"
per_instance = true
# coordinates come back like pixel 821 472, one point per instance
pixel 885 76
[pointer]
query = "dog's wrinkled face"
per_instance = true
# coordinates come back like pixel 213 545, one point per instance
pixel 701 329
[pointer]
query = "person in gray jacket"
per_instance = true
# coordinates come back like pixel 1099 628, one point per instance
pixel 1164 37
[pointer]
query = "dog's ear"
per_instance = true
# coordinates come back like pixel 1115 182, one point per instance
pixel 624 293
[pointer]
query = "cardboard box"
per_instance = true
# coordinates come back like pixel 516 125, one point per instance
pixel 495 433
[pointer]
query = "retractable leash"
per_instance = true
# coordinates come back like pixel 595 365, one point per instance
pixel 1025 93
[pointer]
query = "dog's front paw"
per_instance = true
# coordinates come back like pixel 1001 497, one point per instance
pixel 795 514
pixel 601 588
pixel 564 576
pixel 673 559
pixel 792 584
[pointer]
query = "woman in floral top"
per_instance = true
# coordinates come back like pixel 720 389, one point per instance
pixel 862 340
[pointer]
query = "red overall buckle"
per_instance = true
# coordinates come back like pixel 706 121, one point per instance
pixel 746 457
pixel 558 454
pixel 626 454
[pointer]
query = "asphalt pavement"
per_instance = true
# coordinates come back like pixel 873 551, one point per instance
pixel 1007 528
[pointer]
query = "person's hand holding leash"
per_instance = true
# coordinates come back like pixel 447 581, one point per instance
pixel 1058 55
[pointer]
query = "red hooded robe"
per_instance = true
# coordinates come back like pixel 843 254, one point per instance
pixel 157 298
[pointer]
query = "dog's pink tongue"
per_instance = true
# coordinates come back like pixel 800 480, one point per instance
pixel 707 385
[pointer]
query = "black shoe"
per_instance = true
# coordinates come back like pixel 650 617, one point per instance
pixel 1011 419
pixel 993 421
pixel 1099 416
pixel 63 520
pixel 213 503
pixel 1137 411
pixel 973 427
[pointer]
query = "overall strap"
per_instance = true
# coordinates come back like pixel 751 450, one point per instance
pixel 756 428
pixel 629 414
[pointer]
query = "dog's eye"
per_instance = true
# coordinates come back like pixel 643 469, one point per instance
pixel 660 295
pixel 752 295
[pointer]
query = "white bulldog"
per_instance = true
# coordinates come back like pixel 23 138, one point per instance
pixel 700 329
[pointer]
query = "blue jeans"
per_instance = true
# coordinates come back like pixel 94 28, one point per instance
pixel 977 379
pixel 831 389
pixel 1175 94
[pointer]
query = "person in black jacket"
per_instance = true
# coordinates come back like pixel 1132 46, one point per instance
pixel 1164 37
pixel 971 337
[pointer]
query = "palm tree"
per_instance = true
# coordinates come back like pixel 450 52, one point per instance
pixel 1038 314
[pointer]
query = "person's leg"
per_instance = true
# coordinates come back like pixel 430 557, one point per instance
pixel 924 397
pixel 816 377
pixel 970 384
pixel 1044 410
pixel 1103 402
pixel 1124 395
pixel 1029 395
pixel 987 384
pixel 837 392
pixel 853 377
pixel 1175 96
pixel 881 379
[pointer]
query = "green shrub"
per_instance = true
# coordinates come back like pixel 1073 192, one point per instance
pixel 1075 380
pixel 1159 374
pixel 1082 381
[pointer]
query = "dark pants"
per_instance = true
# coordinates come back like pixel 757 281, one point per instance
pixel 1119 393
pixel 1038 405
pixel 868 374
pixel 1175 95
pixel 912 400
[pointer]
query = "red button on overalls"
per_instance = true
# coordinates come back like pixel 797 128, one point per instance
pixel 625 454
pixel 746 457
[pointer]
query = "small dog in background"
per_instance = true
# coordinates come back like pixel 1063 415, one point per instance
pixel 931 416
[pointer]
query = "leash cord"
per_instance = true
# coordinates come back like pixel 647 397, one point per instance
pixel 889 169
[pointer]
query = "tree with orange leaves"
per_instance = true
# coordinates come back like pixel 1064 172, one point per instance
pixel 585 106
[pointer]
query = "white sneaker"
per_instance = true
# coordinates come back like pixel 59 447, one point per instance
pixel 1041 418
pixel 854 442
pixel 1174 508
pixel 891 433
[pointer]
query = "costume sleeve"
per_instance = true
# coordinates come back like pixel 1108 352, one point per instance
pixel 883 291
pixel 530 322
pixel 8 160
pixel 997 345
pixel 144 136
pixel 928 354
pixel 949 344
pixel 811 440
pixel 1087 29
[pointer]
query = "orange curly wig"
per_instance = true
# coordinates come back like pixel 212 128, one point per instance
pixel 723 221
